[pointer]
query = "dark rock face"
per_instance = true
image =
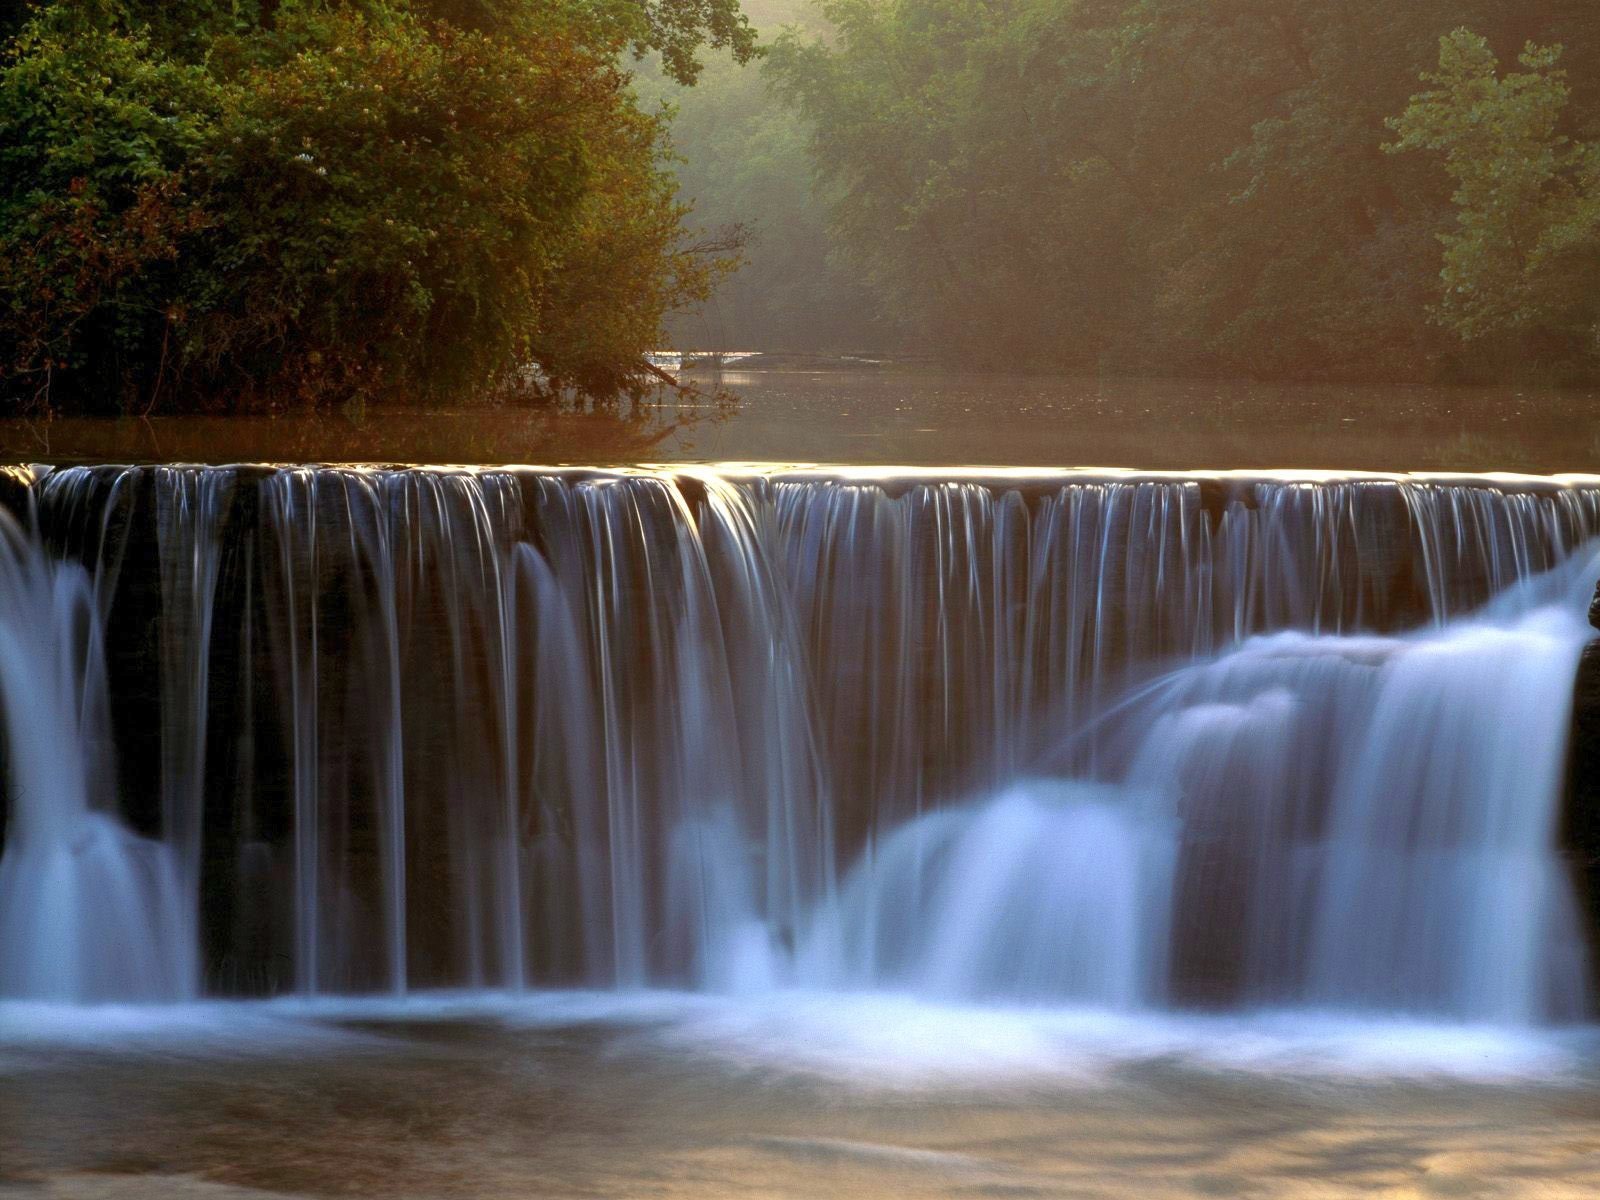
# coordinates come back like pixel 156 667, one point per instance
pixel 1580 834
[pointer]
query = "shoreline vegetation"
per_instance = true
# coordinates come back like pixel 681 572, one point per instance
pixel 1272 189
pixel 234 205
pixel 251 207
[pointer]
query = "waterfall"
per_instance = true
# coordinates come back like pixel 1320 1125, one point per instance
pixel 1116 740
pixel 88 910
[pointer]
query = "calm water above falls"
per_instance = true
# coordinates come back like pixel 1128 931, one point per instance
pixel 926 418
pixel 906 417
pixel 879 816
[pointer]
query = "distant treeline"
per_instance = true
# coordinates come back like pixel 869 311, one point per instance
pixel 226 204
pixel 1263 187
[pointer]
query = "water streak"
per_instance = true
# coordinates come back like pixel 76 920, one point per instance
pixel 1123 741
pixel 88 911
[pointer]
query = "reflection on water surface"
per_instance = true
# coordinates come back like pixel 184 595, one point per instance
pixel 683 1097
pixel 911 418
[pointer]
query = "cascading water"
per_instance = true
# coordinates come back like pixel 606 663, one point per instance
pixel 1346 822
pixel 88 911
pixel 1053 890
pixel 1118 741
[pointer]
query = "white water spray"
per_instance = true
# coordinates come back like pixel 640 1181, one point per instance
pixel 88 911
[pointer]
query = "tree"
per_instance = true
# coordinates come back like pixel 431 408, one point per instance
pixel 1523 258
pixel 228 203
pixel 1192 186
pixel 1025 177
pixel 674 29
pixel 97 133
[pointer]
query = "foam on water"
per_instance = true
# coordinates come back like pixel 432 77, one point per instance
pixel 877 1039
pixel 871 1041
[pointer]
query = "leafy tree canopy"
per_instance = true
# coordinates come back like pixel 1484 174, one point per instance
pixel 1172 185
pixel 1524 253
pixel 223 202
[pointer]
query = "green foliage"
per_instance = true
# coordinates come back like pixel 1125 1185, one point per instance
pixel 224 203
pixel 1155 185
pixel 394 202
pixel 987 171
pixel 96 135
pixel 1524 255
pixel 674 29
pixel 629 263
pixel 215 202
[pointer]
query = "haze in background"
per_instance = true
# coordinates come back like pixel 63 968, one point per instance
pixel 1270 190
